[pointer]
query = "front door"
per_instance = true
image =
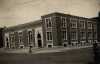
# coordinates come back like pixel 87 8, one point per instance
pixel 39 43
pixel 39 40
pixel 7 43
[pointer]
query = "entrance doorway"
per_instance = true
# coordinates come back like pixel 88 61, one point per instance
pixel 39 44
pixel 7 45
pixel 39 40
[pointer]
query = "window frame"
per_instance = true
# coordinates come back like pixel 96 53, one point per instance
pixel 48 22
pixel 64 35
pixel 63 22
pixel 82 24
pixel 89 25
pixel 73 22
pixel 49 36
pixel 90 35
pixel 74 35
pixel 82 35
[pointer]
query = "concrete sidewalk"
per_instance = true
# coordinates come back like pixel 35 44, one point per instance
pixel 41 50
pixel 58 49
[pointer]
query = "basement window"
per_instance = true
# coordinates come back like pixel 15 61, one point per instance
pixel 49 46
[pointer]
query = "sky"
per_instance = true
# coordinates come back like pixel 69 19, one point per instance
pixel 14 12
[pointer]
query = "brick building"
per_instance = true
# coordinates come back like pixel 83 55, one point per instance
pixel 1 37
pixel 98 28
pixel 55 29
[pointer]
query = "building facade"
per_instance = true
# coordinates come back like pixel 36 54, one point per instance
pixel 55 29
pixel 1 37
pixel 98 28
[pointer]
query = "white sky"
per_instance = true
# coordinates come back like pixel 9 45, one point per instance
pixel 13 12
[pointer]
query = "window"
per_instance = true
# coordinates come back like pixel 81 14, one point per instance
pixel 7 42
pixel 30 36
pixel 48 23
pixel 6 39
pixel 82 24
pixel 20 37
pixel 12 40
pixel 64 35
pixel 73 35
pixel 73 23
pixel 94 26
pixel 95 35
pixel 49 46
pixel 89 25
pixel 49 36
pixel 63 22
pixel 90 35
pixel 82 35
pixel 38 36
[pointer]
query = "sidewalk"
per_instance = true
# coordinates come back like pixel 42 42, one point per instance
pixel 58 49
pixel 41 50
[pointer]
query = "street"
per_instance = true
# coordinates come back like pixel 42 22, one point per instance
pixel 77 56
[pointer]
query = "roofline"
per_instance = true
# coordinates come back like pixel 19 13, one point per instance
pixel 24 24
pixel 59 13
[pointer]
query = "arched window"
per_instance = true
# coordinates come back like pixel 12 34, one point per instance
pixel 7 42
pixel 39 40
pixel 30 36
pixel 38 36
pixel 6 39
